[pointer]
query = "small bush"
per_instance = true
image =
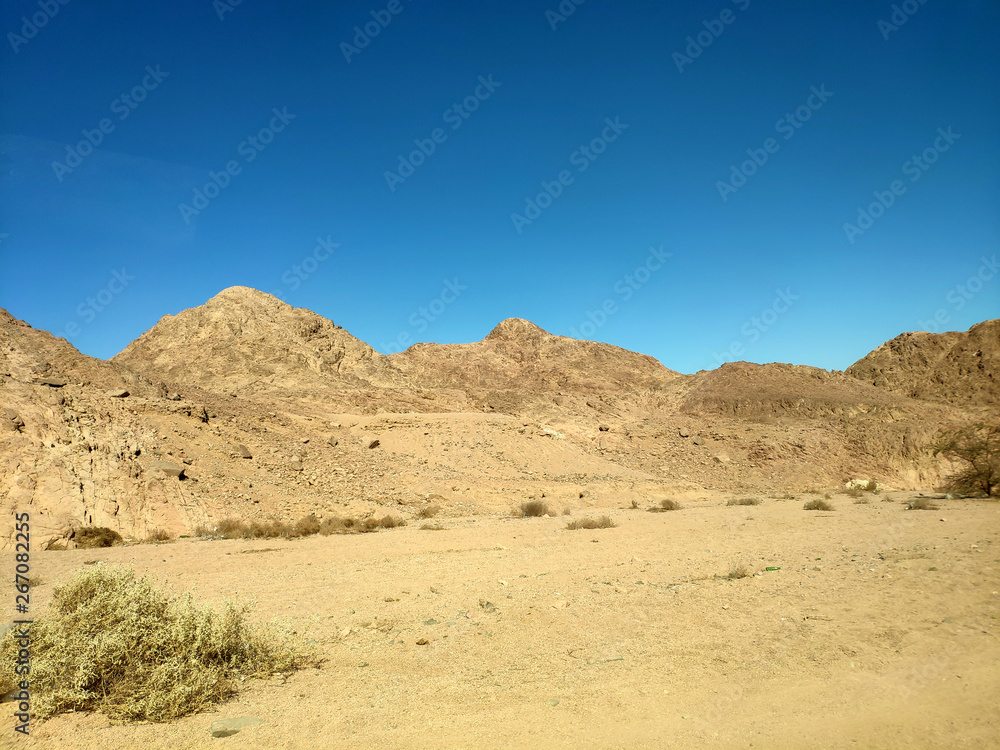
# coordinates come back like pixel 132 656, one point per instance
pixel 429 512
pixel 871 486
pixel 738 571
pixel 307 526
pixel 90 537
pixel 385 522
pixel 854 492
pixel 818 505
pixel 110 642
pixel 567 511
pixel 604 522
pixel 158 535
pixel 921 503
pixel 336 525
pixel 745 501
pixel 534 509
pixel 432 527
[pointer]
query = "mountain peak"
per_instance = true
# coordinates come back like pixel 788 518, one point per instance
pixel 517 329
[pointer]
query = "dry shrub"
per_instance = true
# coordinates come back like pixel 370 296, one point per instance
pixel 921 503
pixel 818 505
pixel 158 535
pixel 432 527
pixel 307 526
pixel 429 512
pixel 854 492
pixel 385 522
pixel 744 501
pixel 604 522
pixel 664 506
pixel 738 571
pixel 534 509
pixel 111 642
pixel 336 525
pixel 90 537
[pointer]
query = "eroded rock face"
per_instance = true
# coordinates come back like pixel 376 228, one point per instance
pixel 961 367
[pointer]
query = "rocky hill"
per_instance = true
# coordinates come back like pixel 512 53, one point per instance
pixel 961 367
pixel 246 406
pixel 248 342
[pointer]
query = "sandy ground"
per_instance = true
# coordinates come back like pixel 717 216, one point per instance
pixel 879 630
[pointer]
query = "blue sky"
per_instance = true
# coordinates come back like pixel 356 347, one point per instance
pixel 476 161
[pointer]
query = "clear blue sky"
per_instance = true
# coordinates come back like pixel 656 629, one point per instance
pixel 761 270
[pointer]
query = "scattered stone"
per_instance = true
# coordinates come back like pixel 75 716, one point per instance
pixel 423 642
pixel 295 464
pixel 603 445
pixel 243 451
pixel 561 604
pixel 372 443
pixel 167 468
pixel 52 382
pixel 603 428
pixel 721 458
pixel 488 606
pixel 10 421
pixel 552 702
pixel 305 440
pixel 229 727
pixel 333 441
pixel 699 440
pixel 173 396
pixel 117 393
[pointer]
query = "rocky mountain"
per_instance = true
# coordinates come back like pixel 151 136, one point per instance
pixel 248 342
pixel 961 367
pixel 248 407
pixel 518 355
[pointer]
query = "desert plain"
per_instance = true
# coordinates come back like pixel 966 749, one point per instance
pixel 737 619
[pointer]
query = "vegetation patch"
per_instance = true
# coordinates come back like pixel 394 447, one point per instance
pixel 818 505
pixel 534 509
pixel 111 642
pixel 744 501
pixel 604 522
pixel 665 505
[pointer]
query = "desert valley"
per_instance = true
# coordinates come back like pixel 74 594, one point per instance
pixel 516 590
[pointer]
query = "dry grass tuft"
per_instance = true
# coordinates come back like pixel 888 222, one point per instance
pixel 432 527
pixel 818 505
pixel 604 522
pixel 158 535
pixel 429 512
pixel 744 501
pixel 738 571
pixel 110 642
pixel 534 509
pixel 665 505
pixel 90 537
pixel 921 503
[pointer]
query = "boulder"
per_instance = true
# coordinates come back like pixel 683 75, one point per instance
pixel 117 393
pixel 167 468
pixel 52 382
pixel 243 451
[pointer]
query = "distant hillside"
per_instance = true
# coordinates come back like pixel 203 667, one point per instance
pixel 961 367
